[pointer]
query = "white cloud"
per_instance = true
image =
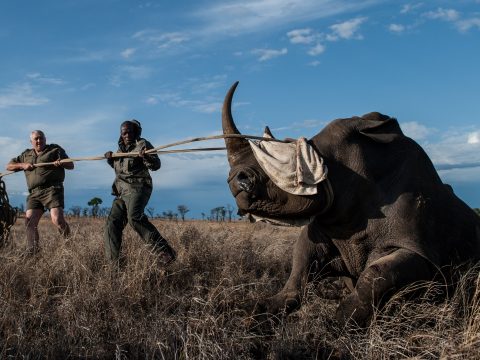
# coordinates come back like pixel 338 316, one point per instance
pixel 20 95
pixel 346 30
pixel 297 126
pixel 208 108
pixel 466 25
pixel 312 123
pixel 86 56
pixel 314 63
pixel 454 17
pixel 443 14
pixel 87 86
pixel 129 72
pixel 11 147
pixel 301 36
pixel 39 78
pixel 456 156
pixel 206 84
pixel 407 8
pixel 456 148
pixel 268 54
pixel 136 72
pixel 70 126
pixel 316 50
pixel 396 28
pixel 307 37
pixel 176 100
pixel 473 138
pixel 151 100
pixel 459 175
pixel 161 40
pixel 250 16
pixel 415 130
pixel 127 53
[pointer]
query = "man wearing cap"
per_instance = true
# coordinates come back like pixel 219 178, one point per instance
pixel 132 189
pixel 45 185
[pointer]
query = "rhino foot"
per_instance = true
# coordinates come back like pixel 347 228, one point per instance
pixel 267 313
pixel 352 311
pixel 280 304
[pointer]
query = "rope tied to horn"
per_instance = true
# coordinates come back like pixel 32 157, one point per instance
pixel 159 149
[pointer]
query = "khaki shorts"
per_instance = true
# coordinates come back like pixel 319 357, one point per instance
pixel 46 198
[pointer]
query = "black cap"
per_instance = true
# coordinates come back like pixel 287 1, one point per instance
pixel 136 124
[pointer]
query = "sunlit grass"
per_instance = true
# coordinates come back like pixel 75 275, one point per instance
pixel 67 301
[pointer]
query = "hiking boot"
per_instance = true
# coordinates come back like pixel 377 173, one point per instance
pixel 166 256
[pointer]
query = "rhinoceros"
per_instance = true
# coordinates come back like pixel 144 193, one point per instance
pixel 392 221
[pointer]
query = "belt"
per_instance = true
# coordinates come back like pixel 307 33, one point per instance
pixel 43 187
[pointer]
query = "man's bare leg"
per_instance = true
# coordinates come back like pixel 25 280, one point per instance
pixel 32 218
pixel 58 219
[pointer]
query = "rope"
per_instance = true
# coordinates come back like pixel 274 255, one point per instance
pixel 213 137
pixel 115 155
pixel 7 215
pixel 158 150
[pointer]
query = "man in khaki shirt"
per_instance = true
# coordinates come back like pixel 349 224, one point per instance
pixel 45 185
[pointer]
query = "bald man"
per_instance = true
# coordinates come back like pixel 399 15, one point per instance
pixel 45 185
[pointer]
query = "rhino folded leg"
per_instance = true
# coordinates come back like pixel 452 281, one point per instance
pixel 379 281
pixel 321 259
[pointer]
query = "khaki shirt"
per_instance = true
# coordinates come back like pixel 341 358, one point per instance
pixel 43 176
pixel 133 171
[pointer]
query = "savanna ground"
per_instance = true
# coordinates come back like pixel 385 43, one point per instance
pixel 68 302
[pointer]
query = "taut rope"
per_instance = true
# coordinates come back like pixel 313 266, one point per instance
pixel 213 137
pixel 8 214
pixel 158 150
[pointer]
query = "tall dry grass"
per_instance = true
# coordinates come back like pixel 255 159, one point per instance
pixel 68 302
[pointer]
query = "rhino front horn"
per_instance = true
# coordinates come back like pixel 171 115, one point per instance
pixel 237 148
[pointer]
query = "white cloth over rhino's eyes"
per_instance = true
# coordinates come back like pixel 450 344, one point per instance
pixel 294 167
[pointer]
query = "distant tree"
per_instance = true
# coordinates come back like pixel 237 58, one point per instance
pixel 103 211
pixel 95 204
pixel 229 209
pixel 203 216
pixel 168 214
pixel 221 213
pixel 76 210
pixel 218 213
pixel 477 210
pixel 214 214
pixel 85 211
pixel 182 209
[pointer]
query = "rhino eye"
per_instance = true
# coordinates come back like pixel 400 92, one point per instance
pixel 244 182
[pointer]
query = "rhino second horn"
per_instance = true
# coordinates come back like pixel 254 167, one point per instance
pixel 237 148
pixel 267 133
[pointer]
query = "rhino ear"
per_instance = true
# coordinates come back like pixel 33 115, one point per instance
pixel 380 128
pixel 267 133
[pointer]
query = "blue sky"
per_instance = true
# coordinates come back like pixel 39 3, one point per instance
pixel 77 69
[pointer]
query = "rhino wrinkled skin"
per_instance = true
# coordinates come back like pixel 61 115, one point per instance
pixel 392 221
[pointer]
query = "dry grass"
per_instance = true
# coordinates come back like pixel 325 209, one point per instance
pixel 68 302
